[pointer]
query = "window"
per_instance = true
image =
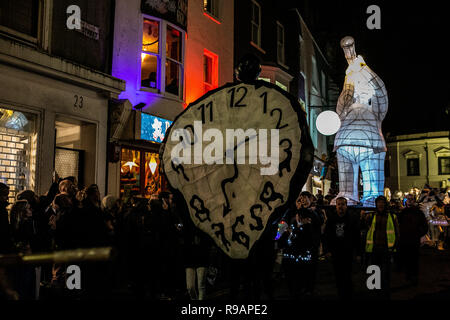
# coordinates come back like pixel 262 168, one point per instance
pixel 256 23
pixel 173 61
pixel 280 43
pixel 323 87
pixel 18 144
pixel 413 167
pixel 150 56
pixel 210 70
pixel 315 74
pixel 211 7
pixel 444 165
pixel 162 45
pixel 139 173
pixel 20 18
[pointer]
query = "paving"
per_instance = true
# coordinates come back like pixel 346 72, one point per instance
pixel 434 281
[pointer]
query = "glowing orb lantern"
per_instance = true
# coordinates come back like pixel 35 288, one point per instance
pixel 328 123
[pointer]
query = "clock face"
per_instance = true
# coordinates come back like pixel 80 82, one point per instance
pixel 237 155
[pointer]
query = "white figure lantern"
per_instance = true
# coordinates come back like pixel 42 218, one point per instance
pixel 359 142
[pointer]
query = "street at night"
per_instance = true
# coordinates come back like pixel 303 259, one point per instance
pixel 224 157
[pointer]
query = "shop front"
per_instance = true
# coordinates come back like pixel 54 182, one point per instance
pixel 137 172
pixel 53 118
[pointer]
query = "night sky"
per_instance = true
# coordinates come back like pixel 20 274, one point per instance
pixel 410 53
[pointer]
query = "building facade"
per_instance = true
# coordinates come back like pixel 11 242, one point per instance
pixel 169 53
pixel 291 59
pixel 54 92
pixel 417 159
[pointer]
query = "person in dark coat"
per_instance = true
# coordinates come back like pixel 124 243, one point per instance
pixel 6 244
pixel 301 247
pixel 413 226
pixel 139 245
pixel 342 243
pixel 23 230
pixel 166 243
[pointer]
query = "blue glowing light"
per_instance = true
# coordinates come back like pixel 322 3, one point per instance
pixel 153 128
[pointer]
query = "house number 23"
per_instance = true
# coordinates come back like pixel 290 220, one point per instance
pixel 78 101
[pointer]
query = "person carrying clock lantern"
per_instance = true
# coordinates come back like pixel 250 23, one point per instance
pixel 301 243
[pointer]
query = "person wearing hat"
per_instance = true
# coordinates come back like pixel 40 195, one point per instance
pixel 381 241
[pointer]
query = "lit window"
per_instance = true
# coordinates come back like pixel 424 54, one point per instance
pixel 444 165
pixel 130 173
pixel 280 43
pixel 139 173
pixel 211 7
pixel 256 23
pixel 18 143
pixel 210 70
pixel 150 57
pixel 157 36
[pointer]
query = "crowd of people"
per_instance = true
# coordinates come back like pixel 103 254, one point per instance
pixel 162 255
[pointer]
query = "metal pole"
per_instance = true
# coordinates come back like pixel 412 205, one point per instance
pixel 63 256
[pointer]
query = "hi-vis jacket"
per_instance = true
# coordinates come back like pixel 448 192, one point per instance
pixel 390 233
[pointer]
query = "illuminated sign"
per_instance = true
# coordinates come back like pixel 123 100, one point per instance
pixel 153 128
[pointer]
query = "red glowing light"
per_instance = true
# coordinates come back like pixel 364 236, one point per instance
pixel 216 21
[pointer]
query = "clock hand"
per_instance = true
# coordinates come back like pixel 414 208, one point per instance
pixel 227 206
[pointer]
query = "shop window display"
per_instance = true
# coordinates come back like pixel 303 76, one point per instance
pixel 130 172
pixel 18 142
pixel 140 174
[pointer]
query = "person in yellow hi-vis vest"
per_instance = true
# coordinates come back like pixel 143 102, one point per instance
pixel 381 241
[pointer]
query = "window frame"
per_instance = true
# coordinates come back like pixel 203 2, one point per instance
pixel 162 59
pixel 142 151
pixel 214 70
pixel 157 55
pixel 408 173
pixel 282 59
pixel 214 13
pixel 258 24
pixel 440 171
pixel 43 27
pixel 38 132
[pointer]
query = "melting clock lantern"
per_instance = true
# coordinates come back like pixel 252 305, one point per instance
pixel 218 152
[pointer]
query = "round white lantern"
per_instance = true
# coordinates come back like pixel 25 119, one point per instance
pixel 328 123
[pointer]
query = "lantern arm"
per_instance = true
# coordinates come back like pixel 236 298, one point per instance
pixel 345 98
